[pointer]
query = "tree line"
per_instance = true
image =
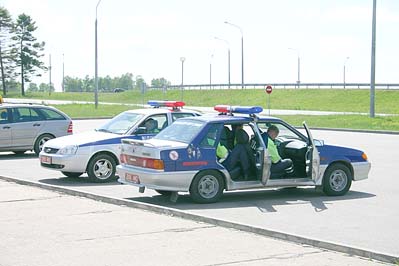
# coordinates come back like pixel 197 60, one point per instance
pixel 21 60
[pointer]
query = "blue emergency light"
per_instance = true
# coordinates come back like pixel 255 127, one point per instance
pixel 173 104
pixel 238 109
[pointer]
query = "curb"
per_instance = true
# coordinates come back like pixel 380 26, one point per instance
pixel 368 254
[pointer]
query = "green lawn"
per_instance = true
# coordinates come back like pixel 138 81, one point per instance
pixel 387 101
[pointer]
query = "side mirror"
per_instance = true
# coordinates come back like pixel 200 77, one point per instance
pixel 318 142
pixel 141 130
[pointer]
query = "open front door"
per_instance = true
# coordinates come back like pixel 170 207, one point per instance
pixel 312 156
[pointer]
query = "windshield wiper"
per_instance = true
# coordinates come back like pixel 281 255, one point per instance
pixel 103 130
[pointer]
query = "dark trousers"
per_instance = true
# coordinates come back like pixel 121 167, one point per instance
pixel 236 157
pixel 279 168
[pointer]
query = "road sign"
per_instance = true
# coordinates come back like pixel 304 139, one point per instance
pixel 269 89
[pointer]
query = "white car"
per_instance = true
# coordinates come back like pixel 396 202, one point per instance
pixel 97 152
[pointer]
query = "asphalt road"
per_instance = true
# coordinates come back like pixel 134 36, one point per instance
pixel 365 218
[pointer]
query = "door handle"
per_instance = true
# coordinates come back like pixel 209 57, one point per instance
pixel 6 127
pixel 36 125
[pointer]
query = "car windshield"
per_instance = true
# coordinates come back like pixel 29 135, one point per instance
pixel 121 123
pixel 181 131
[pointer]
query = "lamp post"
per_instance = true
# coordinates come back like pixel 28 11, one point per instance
pixel 242 51
pixel 182 59
pixel 347 58
pixel 228 57
pixel 96 61
pixel 210 72
pixel 372 78
pixel 299 66
pixel 63 74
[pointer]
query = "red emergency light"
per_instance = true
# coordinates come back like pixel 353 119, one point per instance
pixel 238 109
pixel 173 104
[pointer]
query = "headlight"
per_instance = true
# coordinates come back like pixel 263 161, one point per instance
pixel 71 149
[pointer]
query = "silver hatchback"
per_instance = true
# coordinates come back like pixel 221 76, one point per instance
pixel 26 127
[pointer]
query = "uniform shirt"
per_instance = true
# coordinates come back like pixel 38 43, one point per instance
pixel 221 151
pixel 271 147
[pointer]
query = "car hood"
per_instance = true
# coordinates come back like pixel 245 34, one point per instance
pixel 81 139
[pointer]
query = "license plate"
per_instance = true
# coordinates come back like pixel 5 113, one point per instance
pixel 45 159
pixel 132 178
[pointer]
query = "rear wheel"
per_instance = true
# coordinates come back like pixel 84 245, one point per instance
pixel 40 142
pixel 337 180
pixel 101 168
pixel 207 187
pixel 71 174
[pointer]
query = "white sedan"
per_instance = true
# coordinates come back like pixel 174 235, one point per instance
pixel 97 152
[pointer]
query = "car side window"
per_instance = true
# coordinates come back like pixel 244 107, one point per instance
pixel 154 124
pixel 49 114
pixel 3 116
pixel 176 116
pixel 25 114
pixel 210 138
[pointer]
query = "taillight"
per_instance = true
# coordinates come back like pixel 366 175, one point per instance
pixel 142 162
pixel 70 128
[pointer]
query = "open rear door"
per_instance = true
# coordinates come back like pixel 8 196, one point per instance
pixel 312 156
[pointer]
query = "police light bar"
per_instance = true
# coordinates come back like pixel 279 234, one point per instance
pixel 173 104
pixel 238 109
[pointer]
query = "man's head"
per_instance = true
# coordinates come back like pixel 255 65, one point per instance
pixel 150 124
pixel 273 131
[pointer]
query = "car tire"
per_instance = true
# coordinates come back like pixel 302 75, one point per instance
pixel 165 193
pixel 207 187
pixel 101 168
pixel 337 180
pixel 40 142
pixel 71 174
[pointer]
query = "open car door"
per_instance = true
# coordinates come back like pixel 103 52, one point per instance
pixel 312 157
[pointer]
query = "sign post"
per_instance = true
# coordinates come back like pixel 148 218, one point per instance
pixel 269 90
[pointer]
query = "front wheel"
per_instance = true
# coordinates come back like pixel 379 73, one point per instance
pixel 337 180
pixel 101 168
pixel 71 174
pixel 40 142
pixel 207 187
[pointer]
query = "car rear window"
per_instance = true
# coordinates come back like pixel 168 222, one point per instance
pixel 181 131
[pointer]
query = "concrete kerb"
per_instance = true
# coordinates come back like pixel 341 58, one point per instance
pixel 350 250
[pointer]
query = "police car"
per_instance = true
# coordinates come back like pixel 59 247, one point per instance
pixel 180 159
pixel 97 152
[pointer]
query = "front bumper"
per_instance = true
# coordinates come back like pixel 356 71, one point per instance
pixel 155 179
pixel 361 170
pixel 67 163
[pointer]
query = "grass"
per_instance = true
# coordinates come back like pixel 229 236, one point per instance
pixel 350 100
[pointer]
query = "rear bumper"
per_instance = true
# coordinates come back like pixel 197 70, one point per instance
pixel 154 179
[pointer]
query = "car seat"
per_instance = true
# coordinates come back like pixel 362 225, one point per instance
pixel 226 138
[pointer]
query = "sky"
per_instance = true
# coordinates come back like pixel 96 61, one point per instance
pixel 148 38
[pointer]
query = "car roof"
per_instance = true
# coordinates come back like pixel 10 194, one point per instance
pixel 24 105
pixel 214 118
pixel 150 111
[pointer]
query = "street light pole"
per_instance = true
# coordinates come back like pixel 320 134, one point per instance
pixel 63 74
pixel 242 51
pixel 210 72
pixel 182 59
pixel 96 62
pixel 228 57
pixel 299 66
pixel 372 78
pixel 345 71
